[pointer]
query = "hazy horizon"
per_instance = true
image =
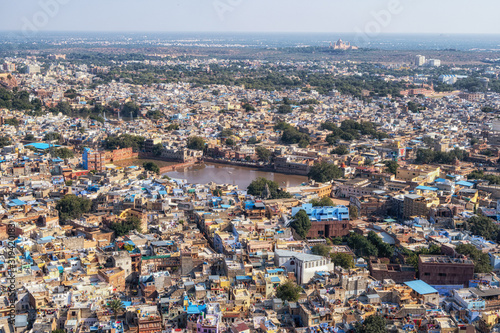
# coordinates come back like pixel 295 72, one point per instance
pixel 258 32
pixel 255 16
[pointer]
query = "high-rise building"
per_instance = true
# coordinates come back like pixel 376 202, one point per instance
pixel 434 62
pixel 419 60
pixel 33 69
pixel 93 160
pixel 9 67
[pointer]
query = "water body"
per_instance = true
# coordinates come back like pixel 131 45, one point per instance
pixel 230 174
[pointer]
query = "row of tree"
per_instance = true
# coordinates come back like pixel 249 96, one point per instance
pixel 426 156
pixel 350 130
pixel 479 174
pixel 124 141
pixel 372 245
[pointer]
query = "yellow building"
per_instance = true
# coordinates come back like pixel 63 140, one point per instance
pixel 267 281
pixel 418 173
pixel 241 297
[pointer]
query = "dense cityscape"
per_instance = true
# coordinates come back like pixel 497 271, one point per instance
pixel 221 185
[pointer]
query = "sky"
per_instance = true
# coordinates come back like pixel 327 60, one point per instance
pixel 347 16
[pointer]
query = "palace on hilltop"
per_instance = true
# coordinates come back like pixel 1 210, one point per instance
pixel 341 45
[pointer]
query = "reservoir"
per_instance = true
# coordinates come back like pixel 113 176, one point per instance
pixel 231 174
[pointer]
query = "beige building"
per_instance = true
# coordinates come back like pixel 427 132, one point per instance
pixel 418 173
pixel 417 205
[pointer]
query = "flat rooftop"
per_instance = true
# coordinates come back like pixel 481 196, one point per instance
pixel 445 260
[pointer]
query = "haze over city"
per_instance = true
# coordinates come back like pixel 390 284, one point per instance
pixel 425 16
pixel 249 166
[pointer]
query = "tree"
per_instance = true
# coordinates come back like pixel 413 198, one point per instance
pixel 392 166
pixel 97 118
pixel 72 207
pixel 116 306
pixel 353 212
pixel 4 141
pixel 258 186
pixel 289 291
pixel 52 136
pixel 157 149
pixel 63 107
pixel 336 240
pixel 413 107
pixel 361 245
pixel 351 130
pixel 291 135
pixel 483 226
pixel 122 228
pixel 196 143
pixel 135 142
pixel 487 109
pixel 321 250
pixel 29 137
pixel 253 140
pixel 425 156
pixel 172 127
pixel 301 223
pixel 342 259
pixel 249 107
pixel 479 174
pixel 226 133
pixel 324 172
pixel 340 150
pixel 151 166
pixel 63 153
pixel 372 324
pixel 217 192
pixel 130 109
pixel 324 201
pixel 284 109
pixel 263 154
pixel 229 142
pixel 481 260
pixel 11 121
pixel 384 249
pixel 70 93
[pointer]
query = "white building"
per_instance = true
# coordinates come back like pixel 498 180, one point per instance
pixel 419 60
pixel 434 62
pixel 448 79
pixel 302 264
pixel 33 69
